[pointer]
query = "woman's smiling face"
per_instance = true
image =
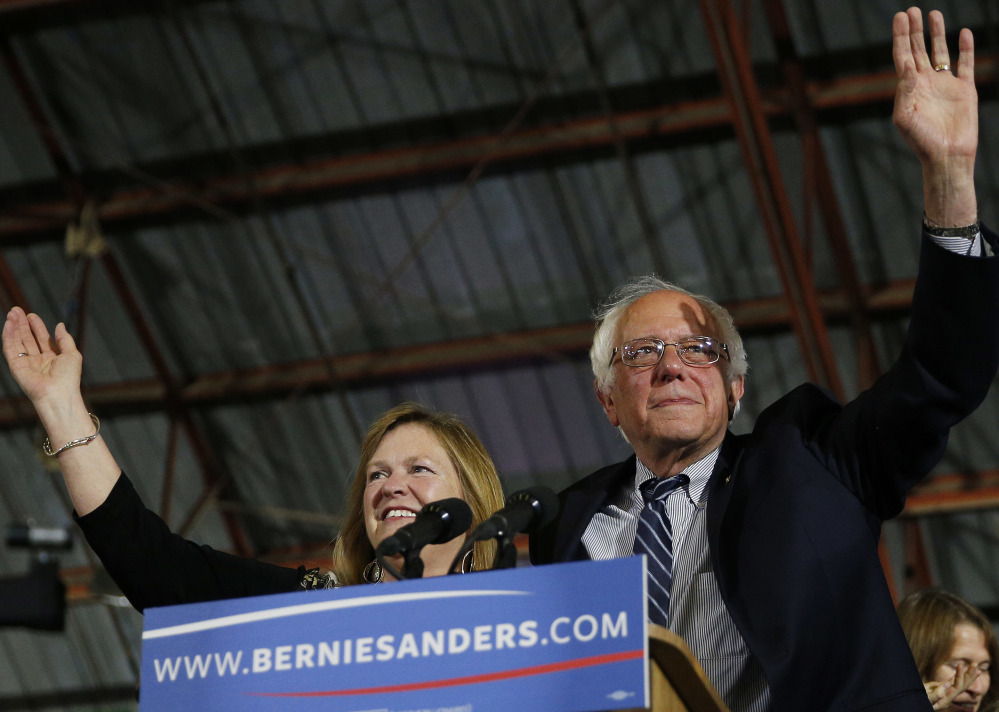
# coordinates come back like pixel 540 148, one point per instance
pixel 409 470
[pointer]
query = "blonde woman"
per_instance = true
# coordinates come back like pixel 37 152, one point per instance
pixel 410 457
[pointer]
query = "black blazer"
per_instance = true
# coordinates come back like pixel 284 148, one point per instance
pixel 795 508
pixel 155 567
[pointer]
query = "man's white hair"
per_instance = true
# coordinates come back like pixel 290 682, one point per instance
pixel 609 313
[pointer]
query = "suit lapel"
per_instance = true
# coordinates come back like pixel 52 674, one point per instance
pixel 721 484
pixel 582 503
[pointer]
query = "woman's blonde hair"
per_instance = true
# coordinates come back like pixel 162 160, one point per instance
pixel 480 485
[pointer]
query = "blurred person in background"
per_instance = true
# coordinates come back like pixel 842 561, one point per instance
pixel 955 648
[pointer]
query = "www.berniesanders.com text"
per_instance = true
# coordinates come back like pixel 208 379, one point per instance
pixel 386 648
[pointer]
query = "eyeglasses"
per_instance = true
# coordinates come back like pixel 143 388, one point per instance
pixel 648 351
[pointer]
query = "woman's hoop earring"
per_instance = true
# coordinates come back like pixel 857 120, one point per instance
pixel 372 572
pixel 468 558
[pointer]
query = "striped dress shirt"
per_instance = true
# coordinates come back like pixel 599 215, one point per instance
pixel 697 612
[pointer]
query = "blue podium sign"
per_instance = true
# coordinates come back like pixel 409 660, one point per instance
pixel 560 638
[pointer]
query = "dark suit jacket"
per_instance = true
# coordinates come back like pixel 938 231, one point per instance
pixel 795 508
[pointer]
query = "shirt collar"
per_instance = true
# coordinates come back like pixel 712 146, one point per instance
pixel 699 474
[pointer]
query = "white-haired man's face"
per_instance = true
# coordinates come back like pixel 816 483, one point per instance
pixel 672 407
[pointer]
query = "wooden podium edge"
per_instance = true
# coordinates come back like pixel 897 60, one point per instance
pixel 678 683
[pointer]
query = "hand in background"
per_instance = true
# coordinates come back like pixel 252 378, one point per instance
pixel 942 694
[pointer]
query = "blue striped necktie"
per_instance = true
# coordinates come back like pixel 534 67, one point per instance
pixel 655 539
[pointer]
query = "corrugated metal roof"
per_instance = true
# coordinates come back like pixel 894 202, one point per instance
pixel 317 210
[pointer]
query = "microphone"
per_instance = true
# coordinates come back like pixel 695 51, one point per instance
pixel 436 523
pixel 525 510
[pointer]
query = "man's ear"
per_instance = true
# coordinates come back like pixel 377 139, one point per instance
pixel 607 401
pixel 736 389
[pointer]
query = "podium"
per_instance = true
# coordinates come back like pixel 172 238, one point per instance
pixel 678 683
pixel 569 637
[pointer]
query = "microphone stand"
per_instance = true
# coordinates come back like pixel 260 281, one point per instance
pixel 389 567
pixel 465 548
pixel 506 552
pixel 412 564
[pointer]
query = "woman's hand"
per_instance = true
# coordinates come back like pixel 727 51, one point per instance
pixel 942 694
pixel 47 371
pixel 49 374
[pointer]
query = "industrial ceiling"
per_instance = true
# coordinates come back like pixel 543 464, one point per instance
pixel 267 222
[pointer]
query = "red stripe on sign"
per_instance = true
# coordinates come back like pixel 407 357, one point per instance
pixel 470 679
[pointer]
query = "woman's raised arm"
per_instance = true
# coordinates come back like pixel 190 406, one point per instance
pixel 49 374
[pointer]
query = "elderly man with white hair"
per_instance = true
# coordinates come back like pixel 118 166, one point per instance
pixel 762 549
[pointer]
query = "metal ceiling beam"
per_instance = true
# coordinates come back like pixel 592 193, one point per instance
pixel 11 8
pixel 754 317
pixel 214 473
pixel 11 290
pixel 78 195
pixel 820 189
pixel 20 16
pixel 749 117
pixel 917 571
pixel 637 197
pixel 39 120
pixel 46 220
pixel 954 492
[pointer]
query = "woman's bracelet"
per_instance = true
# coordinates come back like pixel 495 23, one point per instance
pixel 47 446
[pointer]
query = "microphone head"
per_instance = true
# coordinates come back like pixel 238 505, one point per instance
pixel 542 500
pixel 454 513
pixel 436 523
